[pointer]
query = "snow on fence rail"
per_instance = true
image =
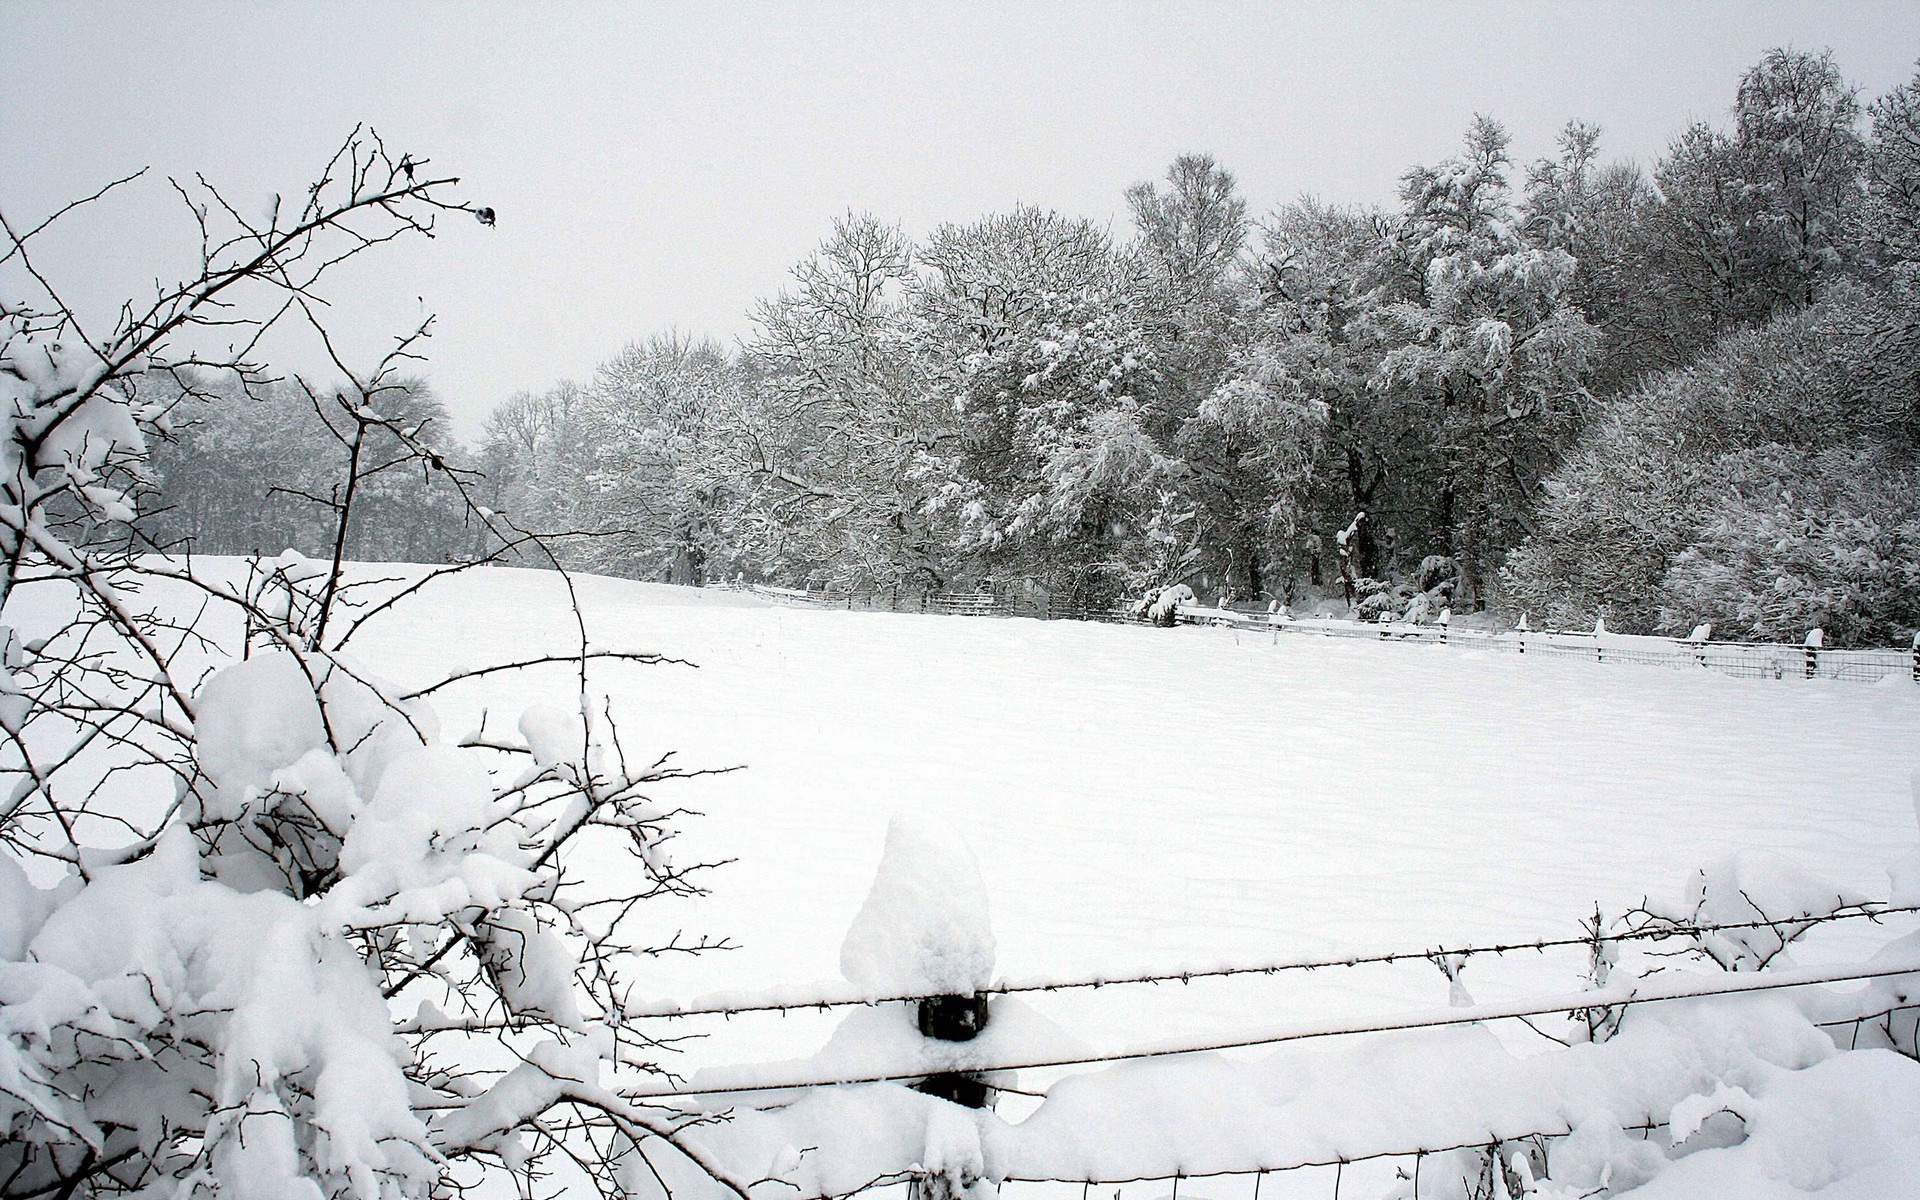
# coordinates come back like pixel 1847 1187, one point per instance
pixel 902 1093
pixel 1754 660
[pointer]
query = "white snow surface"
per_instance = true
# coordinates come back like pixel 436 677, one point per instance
pixel 1142 799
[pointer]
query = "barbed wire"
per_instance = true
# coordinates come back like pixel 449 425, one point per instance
pixel 1636 992
pixel 1337 1161
pixel 827 1000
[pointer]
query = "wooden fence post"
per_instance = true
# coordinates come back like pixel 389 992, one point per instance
pixel 1916 656
pixel 954 1019
pixel 1698 639
pixel 1815 639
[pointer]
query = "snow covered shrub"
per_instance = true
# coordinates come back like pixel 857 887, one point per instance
pixel 1827 540
pixel 1377 606
pixel 1775 899
pixel 264 931
pixel 1161 606
pixel 1437 573
pixel 1677 467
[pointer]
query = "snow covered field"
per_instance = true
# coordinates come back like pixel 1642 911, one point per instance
pixel 1142 798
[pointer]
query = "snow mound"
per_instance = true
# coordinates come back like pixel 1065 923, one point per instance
pixel 924 928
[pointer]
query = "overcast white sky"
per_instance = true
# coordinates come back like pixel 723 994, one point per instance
pixel 662 166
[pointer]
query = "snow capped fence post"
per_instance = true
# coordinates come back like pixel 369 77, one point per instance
pixel 1698 640
pixel 1815 639
pixel 924 931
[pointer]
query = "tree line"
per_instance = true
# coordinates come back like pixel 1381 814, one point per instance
pixel 1666 395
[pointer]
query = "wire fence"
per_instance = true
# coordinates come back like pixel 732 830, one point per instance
pixel 1646 990
pixel 1486 1155
pixel 971 603
pixel 825 999
pixel 1750 660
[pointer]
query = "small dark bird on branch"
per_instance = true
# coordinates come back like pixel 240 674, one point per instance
pixel 406 166
pixel 483 215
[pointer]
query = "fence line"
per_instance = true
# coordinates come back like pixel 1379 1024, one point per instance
pixel 1492 1142
pixel 1493 1139
pixel 1753 660
pixel 824 1002
pixel 974 603
pixel 1645 990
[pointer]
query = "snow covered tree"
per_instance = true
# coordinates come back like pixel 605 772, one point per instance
pixel 1799 540
pixel 1237 427
pixel 534 456
pixel 227 478
pixel 1893 172
pixel 1492 346
pixel 662 421
pixel 1798 127
pixel 1326 273
pixel 844 419
pixel 1599 213
pixel 1043 361
pixel 1678 468
pixel 242 473
pixel 264 932
pixel 1753 222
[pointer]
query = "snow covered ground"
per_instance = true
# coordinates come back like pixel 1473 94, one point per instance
pixel 1144 799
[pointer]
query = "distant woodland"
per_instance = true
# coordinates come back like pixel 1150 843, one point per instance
pixel 1664 394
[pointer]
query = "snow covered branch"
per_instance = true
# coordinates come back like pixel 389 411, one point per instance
pixel 263 931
